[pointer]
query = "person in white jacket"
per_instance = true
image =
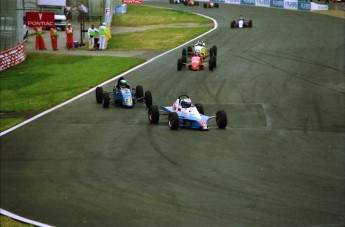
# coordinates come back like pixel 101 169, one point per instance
pixel 102 37
pixel 91 32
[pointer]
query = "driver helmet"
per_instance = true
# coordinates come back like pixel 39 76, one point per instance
pixel 201 43
pixel 186 103
pixel 123 83
pixel 197 52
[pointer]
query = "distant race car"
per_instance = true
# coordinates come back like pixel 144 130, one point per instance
pixel 125 97
pixel 191 3
pixel 184 114
pixel 241 23
pixel 177 1
pixel 211 5
pixel 195 63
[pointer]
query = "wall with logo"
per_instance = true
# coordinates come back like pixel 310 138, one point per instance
pixel 283 4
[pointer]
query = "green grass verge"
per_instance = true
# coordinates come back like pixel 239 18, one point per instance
pixel 164 38
pixel 45 80
pixel 9 122
pixel 8 222
pixel 139 15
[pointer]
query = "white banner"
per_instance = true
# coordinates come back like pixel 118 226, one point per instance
pixel 315 6
pixel 291 4
pixel 233 1
pixel 264 3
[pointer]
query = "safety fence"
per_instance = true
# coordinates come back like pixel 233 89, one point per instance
pixel 12 57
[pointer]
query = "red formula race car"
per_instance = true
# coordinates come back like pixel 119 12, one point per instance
pixel 196 62
pixel 211 5
pixel 191 3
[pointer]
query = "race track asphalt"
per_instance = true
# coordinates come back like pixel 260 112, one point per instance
pixel 280 161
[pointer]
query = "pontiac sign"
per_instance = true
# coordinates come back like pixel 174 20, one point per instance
pixel 40 19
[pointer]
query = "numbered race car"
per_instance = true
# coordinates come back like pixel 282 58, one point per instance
pixel 191 60
pixel 211 4
pixel 241 23
pixel 191 3
pixel 123 95
pixel 184 114
pixel 196 62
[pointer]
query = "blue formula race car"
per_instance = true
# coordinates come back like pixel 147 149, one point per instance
pixel 187 115
pixel 123 95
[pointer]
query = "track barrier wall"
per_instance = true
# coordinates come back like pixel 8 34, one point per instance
pixel 282 4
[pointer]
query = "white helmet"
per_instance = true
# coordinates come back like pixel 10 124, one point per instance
pixel 186 103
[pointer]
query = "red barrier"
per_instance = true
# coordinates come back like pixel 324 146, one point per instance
pixel 12 57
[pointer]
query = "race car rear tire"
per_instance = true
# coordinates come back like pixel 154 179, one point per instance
pixel 106 100
pixel 214 62
pixel 189 50
pixel 184 59
pixel 99 94
pixel 215 50
pixel 211 52
pixel 205 5
pixel 173 121
pixel 179 64
pixel 221 119
pixel 139 93
pixel 211 64
pixel 148 98
pixel 250 23
pixel 232 25
pixel 216 5
pixel 200 108
pixel 184 52
pixel 153 114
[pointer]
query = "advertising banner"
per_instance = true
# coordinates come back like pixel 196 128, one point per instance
pixel 120 9
pixel 248 2
pixel 315 6
pixel 263 3
pixel 291 4
pixel 219 1
pixel 132 1
pixel 304 6
pixel 39 19
pixel 233 2
pixel 277 3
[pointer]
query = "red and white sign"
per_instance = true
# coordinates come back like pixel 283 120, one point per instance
pixel 40 19
pixel 132 1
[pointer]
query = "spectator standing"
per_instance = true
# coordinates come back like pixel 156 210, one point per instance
pixel 69 37
pixel 91 32
pixel 102 37
pixel 54 36
pixel 39 45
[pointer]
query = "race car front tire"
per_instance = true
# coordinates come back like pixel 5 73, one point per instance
pixel 173 121
pixel 153 114
pixel 99 94
pixel 221 119
pixel 106 100
pixel 148 98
